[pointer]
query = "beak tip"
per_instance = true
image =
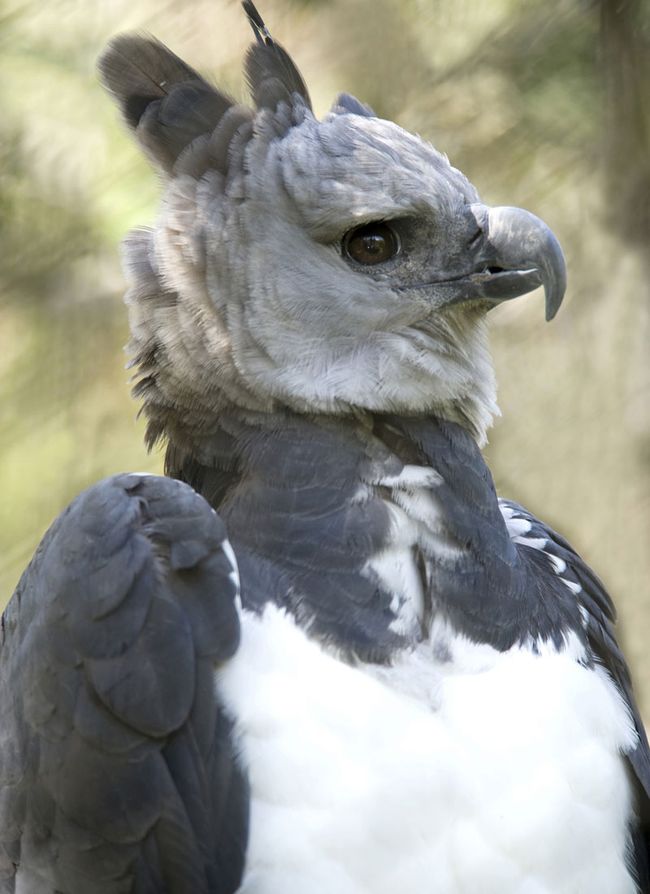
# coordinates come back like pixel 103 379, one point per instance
pixel 554 293
pixel 551 309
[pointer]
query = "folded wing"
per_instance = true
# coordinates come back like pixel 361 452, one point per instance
pixel 118 769
pixel 556 558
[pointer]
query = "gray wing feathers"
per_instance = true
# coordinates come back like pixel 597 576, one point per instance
pixel 117 766
pixel 599 619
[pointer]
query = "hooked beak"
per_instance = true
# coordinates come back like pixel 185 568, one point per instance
pixel 520 253
pixel 514 252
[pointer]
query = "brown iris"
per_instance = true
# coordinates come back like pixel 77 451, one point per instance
pixel 370 244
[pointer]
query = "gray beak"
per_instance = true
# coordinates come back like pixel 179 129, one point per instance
pixel 517 254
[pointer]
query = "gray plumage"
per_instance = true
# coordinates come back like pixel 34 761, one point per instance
pixel 110 732
pixel 270 72
pixel 164 100
pixel 308 334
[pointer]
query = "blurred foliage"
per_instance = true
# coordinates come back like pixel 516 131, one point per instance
pixel 543 105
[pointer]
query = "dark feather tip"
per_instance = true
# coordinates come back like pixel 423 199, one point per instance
pixel 256 21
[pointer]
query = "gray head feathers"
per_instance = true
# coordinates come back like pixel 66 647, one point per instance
pixel 166 102
pixel 345 102
pixel 270 72
pixel 169 105
pixel 334 266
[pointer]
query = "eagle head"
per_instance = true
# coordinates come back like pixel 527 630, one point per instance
pixel 335 265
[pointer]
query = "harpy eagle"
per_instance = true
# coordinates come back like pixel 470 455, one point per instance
pixel 385 679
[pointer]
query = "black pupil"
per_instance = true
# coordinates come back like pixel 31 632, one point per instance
pixel 371 244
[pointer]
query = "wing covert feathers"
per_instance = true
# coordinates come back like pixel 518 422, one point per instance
pixel 118 771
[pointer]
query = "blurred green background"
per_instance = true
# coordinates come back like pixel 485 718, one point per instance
pixel 543 103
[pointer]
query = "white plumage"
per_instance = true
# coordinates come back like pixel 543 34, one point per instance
pixel 429 775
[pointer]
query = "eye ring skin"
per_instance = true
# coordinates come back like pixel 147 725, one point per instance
pixel 371 244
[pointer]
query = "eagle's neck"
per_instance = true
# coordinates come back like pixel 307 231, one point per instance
pixel 365 528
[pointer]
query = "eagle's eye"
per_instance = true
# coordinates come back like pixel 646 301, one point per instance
pixel 370 244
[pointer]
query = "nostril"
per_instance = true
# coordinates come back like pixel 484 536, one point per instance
pixel 494 269
pixel 475 238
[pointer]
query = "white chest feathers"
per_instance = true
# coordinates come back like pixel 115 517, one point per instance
pixel 500 774
pixel 415 521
